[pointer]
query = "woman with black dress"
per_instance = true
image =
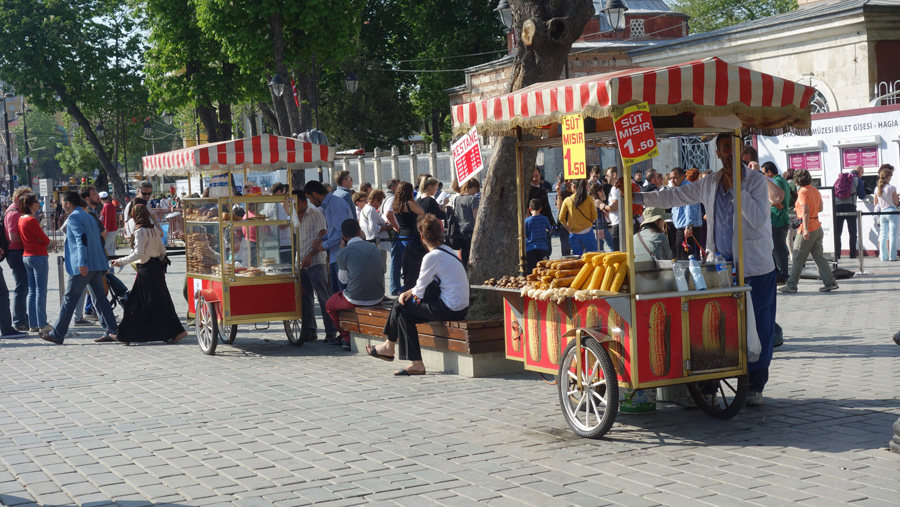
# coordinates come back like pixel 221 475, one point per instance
pixel 407 213
pixel 149 313
pixel 427 190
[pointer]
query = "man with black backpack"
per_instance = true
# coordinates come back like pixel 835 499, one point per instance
pixel 847 189
pixel 6 328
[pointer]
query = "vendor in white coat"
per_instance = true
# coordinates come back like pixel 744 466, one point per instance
pixel 716 192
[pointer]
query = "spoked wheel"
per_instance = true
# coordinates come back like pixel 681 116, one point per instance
pixel 207 327
pixel 591 409
pixel 227 333
pixel 731 393
pixel 292 330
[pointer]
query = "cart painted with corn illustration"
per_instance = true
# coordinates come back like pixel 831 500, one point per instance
pixel 647 334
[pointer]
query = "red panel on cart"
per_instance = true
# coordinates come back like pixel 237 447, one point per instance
pixel 660 350
pixel 263 299
pixel 545 323
pixel 713 325
pixel 514 331
pixel 597 314
pixel 195 284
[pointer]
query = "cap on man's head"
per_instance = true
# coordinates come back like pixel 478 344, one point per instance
pixel 653 214
pixel 104 195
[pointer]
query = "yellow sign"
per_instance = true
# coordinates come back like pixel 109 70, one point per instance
pixel 573 147
pixel 635 135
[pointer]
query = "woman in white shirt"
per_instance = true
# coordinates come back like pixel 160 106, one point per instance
pixel 149 312
pixel 373 224
pixel 441 293
pixel 886 199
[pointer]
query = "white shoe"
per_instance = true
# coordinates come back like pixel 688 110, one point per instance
pixel 754 399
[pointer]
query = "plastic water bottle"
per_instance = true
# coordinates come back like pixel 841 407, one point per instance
pixel 696 273
pixel 680 280
pixel 722 275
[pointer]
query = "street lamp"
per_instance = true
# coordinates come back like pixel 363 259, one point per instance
pixel 9 166
pixel 352 81
pixel 277 85
pixel 168 116
pixel 615 14
pixel 148 129
pixel 504 11
pixel 99 130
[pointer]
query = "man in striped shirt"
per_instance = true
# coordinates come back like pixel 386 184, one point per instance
pixel 311 226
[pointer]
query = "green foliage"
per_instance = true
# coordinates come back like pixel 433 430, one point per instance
pixel 708 15
pixel 43 136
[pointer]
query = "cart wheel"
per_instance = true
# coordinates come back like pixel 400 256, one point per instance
pixel 227 333
pixel 207 327
pixel 591 410
pixel 292 330
pixel 731 393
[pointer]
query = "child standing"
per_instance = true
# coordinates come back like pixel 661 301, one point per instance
pixel 537 228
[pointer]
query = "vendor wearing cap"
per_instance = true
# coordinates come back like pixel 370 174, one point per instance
pixel 651 242
pixel 110 219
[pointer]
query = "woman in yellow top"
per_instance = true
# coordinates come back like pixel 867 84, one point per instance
pixel 577 215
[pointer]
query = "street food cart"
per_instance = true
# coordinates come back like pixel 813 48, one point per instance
pixel 241 254
pixel 646 334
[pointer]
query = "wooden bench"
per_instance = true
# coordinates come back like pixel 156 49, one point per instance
pixel 472 348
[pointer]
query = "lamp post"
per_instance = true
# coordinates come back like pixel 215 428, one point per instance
pixel 21 114
pixel 276 84
pixel 504 12
pixel 615 15
pixel 9 165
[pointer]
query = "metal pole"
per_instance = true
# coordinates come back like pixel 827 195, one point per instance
pixel 315 90
pixel 27 149
pixel 859 241
pixel 520 201
pixel 9 164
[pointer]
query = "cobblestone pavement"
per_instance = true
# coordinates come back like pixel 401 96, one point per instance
pixel 264 423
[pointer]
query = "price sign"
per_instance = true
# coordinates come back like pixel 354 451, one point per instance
pixel 634 133
pixel 467 156
pixel 573 147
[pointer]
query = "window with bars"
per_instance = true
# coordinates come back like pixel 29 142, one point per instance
pixel 637 28
pixel 694 153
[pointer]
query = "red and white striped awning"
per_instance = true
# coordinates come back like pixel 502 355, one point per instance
pixel 708 88
pixel 259 152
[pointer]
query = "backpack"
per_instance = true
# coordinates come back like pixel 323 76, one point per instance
pixel 454 234
pixel 844 186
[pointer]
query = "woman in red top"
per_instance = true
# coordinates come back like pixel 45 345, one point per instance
pixel 36 262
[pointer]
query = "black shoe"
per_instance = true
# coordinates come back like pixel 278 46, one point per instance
pixel 333 340
pixel 829 288
pixel 22 327
pixel 897 338
pixel 778 344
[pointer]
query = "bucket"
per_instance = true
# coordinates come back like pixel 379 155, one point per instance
pixel 642 401
pixel 669 394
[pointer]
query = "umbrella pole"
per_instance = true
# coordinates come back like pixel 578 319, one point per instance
pixel 520 201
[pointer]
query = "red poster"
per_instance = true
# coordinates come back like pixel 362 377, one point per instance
pixel 467 156
pixel 811 161
pixel 866 157
pixel 713 327
pixel 660 349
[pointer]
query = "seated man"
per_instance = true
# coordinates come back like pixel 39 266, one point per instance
pixel 361 270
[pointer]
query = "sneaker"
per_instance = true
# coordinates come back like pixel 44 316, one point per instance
pixel 754 399
pixel 787 290
pixel 90 316
pixel 829 288
pixel 22 327
pixel 35 329
pixel 16 334
pixel 81 322
pixel 46 329
pixel 778 343
pixel 333 340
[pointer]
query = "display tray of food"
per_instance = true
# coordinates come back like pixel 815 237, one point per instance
pixel 248 272
pixel 276 269
pixel 205 215
pixel 594 275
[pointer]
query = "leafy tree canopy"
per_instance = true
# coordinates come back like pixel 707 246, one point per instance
pixel 708 15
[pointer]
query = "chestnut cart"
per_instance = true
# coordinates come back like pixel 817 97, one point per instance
pixel 649 335
pixel 241 253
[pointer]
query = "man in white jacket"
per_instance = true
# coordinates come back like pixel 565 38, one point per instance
pixel 716 192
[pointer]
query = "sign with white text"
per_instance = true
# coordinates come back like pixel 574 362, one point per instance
pixel 574 166
pixel 467 156
pixel 635 135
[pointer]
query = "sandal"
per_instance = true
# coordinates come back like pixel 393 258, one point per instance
pixel 103 339
pixel 406 373
pixel 178 338
pixel 373 351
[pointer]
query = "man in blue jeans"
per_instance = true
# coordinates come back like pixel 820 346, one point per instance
pixel 716 192
pixel 86 264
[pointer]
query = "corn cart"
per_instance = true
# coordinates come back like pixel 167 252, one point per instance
pixel 241 254
pixel 646 334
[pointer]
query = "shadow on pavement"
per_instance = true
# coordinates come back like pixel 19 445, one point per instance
pixel 13 500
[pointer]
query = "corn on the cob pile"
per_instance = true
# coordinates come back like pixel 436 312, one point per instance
pixel 595 274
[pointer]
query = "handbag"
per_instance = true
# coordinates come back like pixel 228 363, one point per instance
pixel 796 223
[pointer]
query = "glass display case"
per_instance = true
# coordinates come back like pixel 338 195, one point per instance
pixel 239 238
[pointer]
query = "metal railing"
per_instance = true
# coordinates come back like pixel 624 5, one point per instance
pixel 859 235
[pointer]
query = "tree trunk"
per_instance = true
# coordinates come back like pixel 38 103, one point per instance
pixel 269 117
pixel 224 121
pixel 207 115
pixel 305 93
pixel 552 27
pixel 436 127
pixel 290 124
